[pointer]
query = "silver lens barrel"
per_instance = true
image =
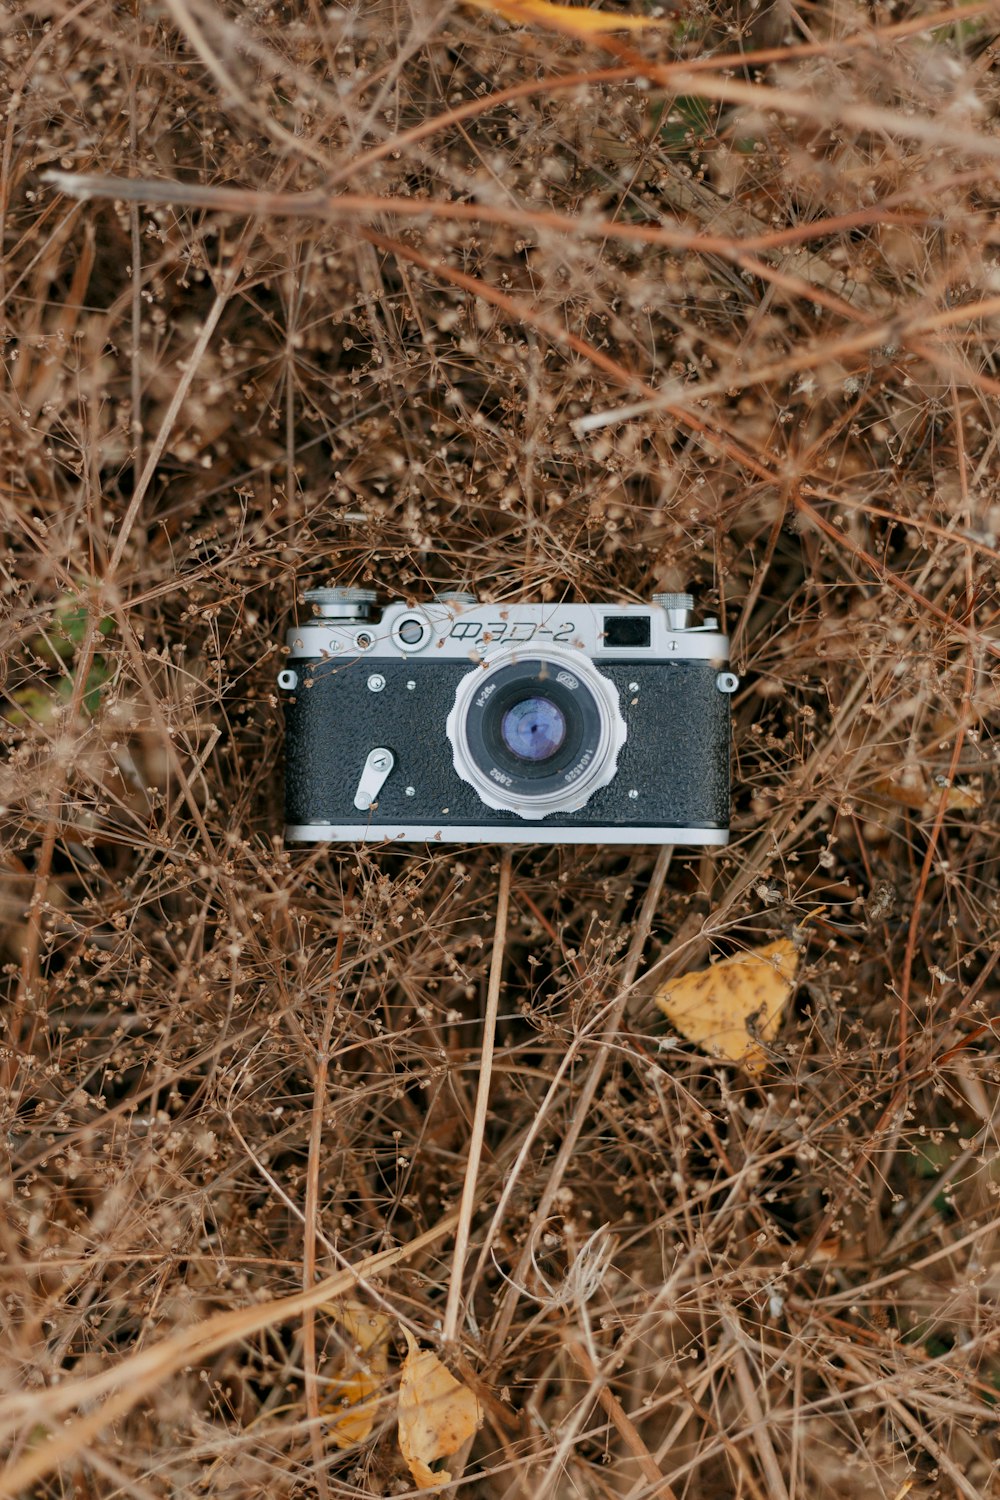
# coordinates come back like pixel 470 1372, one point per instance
pixel 575 710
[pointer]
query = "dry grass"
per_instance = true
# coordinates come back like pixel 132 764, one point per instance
pixel 715 305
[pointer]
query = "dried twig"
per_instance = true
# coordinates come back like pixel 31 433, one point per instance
pixel 467 1207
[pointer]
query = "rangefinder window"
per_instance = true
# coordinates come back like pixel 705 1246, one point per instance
pixel 626 630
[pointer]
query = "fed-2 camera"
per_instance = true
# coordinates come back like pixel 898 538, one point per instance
pixel 462 721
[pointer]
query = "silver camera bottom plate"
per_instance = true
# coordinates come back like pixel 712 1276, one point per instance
pixel 428 833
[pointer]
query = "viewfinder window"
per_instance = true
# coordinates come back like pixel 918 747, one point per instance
pixel 626 630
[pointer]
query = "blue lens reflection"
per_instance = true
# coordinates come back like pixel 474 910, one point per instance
pixel 533 729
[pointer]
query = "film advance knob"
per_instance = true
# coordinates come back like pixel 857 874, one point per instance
pixel 678 608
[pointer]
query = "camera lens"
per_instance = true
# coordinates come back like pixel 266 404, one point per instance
pixel 536 731
pixel 533 729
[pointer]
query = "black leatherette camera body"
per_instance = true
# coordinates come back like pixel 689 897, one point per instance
pixel 676 754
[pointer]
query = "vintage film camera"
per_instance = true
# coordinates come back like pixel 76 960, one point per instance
pixel 463 722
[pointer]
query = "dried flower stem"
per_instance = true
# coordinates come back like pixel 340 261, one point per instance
pixel 467 1207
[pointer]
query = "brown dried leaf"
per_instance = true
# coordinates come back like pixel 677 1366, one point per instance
pixel 961 798
pixel 437 1414
pixel 922 797
pixel 909 791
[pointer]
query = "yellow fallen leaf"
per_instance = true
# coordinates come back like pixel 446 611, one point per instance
pixel 578 20
pixel 437 1413
pixel 350 1407
pixel 358 1374
pixel 362 1326
pixel 730 1007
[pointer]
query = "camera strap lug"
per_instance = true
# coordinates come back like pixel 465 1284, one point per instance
pixel 373 777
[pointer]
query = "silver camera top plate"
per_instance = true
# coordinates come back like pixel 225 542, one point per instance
pixel 460 631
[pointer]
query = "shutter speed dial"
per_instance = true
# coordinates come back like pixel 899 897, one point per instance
pixel 341 604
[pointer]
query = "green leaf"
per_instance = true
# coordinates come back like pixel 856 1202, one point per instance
pixel 930 1158
pixel 683 117
pixel 96 678
pixel 69 628
pixel 33 705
